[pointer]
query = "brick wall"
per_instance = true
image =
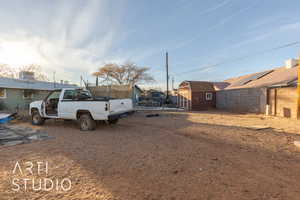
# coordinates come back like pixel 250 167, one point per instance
pixel 242 100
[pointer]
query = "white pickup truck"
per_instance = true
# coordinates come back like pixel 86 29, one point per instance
pixel 78 104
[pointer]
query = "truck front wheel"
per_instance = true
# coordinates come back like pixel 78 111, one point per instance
pixel 36 118
pixel 86 122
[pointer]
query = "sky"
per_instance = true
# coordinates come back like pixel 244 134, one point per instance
pixel 73 38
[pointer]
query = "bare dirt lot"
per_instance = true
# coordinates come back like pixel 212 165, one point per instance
pixel 204 155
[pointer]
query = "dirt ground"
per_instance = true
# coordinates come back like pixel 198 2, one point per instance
pixel 178 155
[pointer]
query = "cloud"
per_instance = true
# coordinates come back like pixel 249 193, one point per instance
pixel 261 34
pixel 214 8
pixel 290 26
pixel 76 39
pixel 214 26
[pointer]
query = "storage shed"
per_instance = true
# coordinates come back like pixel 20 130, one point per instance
pixel 198 95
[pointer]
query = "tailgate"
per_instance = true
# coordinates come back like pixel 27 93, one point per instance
pixel 120 105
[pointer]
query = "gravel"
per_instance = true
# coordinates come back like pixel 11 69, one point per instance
pixel 176 155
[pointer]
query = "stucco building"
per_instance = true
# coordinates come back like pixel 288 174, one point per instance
pixel 17 94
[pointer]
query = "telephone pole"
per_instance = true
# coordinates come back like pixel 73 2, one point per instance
pixel 173 83
pixel 54 81
pixel 298 90
pixel 167 69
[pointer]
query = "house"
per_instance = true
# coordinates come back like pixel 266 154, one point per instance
pixel 198 95
pixel 273 92
pixel 118 91
pixel 17 94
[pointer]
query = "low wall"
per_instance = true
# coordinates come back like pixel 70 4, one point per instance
pixel 242 100
pixel 113 91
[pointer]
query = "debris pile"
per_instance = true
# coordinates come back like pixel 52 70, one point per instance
pixel 12 135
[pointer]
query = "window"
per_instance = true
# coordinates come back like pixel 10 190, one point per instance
pixel 28 94
pixel 2 93
pixel 69 94
pixel 208 96
pixel 83 94
pixel 54 95
pixel 76 95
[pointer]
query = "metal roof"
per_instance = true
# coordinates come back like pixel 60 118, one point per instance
pixel 32 84
pixel 274 77
pixel 198 85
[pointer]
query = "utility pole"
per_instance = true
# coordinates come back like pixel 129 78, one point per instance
pixel 173 83
pixel 298 90
pixel 167 69
pixel 54 84
pixel 97 80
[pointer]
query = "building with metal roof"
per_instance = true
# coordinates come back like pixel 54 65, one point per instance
pixel 273 92
pixel 32 84
pixel 17 94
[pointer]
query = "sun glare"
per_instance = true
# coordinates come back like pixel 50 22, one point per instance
pixel 18 53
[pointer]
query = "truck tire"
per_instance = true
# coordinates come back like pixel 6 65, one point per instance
pixel 86 122
pixel 36 118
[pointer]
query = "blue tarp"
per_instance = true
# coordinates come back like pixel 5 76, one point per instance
pixel 5 118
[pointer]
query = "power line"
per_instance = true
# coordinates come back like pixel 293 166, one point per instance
pixel 238 58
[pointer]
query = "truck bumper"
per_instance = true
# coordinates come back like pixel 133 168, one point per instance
pixel 119 115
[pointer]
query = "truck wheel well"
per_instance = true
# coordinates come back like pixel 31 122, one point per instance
pixel 81 112
pixel 34 109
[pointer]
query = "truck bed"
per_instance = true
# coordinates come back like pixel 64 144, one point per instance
pixel 120 106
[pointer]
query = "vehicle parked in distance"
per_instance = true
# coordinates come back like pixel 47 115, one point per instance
pixel 78 104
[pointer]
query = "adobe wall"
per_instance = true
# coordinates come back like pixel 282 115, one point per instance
pixel 283 102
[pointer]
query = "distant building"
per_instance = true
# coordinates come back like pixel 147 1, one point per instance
pixel 17 94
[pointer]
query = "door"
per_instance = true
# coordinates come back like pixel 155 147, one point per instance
pixel 50 104
pixel 65 107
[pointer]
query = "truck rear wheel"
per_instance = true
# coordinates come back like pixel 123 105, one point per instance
pixel 36 118
pixel 86 122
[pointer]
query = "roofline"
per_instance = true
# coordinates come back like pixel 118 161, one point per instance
pixel 14 83
pixel 42 89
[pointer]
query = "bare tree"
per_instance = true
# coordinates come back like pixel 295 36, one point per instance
pixel 37 69
pixel 10 72
pixel 125 74
pixel 6 71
